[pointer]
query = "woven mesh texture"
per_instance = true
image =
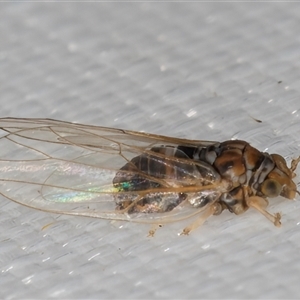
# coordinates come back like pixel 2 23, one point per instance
pixel 196 70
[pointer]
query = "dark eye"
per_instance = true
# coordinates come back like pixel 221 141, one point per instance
pixel 271 188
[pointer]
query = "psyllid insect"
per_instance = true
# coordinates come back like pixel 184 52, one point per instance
pixel 107 173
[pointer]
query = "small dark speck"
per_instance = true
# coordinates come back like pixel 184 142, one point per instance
pixel 256 120
pixel 279 81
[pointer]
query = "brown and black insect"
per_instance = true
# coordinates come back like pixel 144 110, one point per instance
pixel 100 172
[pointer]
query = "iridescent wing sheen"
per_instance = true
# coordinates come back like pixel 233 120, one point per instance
pixel 69 168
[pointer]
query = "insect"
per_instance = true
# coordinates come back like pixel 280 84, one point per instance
pixel 100 172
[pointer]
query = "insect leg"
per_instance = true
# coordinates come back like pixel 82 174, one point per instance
pixel 211 210
pixel 294 165
pixel 153 229
pixel 260 205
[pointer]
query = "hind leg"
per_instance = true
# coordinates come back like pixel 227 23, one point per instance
pixel 153 229
pixel 294 165
pixel 214 209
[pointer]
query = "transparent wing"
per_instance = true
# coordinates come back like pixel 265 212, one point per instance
pixel 76 169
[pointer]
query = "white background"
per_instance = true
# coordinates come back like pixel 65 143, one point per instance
pixel 194 70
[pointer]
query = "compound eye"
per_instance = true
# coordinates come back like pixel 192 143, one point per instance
pixel 271 188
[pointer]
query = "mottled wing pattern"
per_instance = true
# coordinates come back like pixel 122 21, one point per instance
pixel 69 168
